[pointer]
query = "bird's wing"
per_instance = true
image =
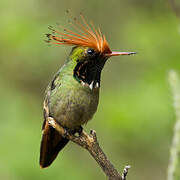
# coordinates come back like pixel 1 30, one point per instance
pixel 52 142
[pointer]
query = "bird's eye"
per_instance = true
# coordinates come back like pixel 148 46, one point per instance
pixel 91 51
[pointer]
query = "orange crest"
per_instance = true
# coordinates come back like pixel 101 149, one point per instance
pixel 86 36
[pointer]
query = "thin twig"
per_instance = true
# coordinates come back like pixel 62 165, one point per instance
pixel 125 172
pixel 174 164
pixel 90 143
pixel 176 8
pixel 175 5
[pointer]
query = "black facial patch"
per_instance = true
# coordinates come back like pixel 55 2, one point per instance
pixel 89 70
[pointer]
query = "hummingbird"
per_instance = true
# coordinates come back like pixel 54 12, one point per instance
pixel 73 94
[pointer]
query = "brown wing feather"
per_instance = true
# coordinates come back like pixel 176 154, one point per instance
pixel 52 142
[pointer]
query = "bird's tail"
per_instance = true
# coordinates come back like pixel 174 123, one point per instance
pixel 52 142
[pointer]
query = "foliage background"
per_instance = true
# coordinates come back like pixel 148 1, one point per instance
pixel 135 117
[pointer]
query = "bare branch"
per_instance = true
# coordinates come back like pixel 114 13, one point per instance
pixel 90 143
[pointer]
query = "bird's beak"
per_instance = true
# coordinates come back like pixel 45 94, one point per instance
pixel 114 53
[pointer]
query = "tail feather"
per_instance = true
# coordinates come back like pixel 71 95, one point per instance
pixel 52 142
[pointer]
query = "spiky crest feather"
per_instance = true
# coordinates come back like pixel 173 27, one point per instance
pixel 86 36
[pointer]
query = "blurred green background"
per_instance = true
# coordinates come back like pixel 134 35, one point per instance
pixel 135 118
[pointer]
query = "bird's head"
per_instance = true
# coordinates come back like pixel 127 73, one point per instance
pixel 90 51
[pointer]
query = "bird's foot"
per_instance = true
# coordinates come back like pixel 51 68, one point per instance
pixel 79 130
pixel 69 131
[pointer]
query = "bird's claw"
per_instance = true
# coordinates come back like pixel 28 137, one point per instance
pixel 79 130
pixel 67 132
